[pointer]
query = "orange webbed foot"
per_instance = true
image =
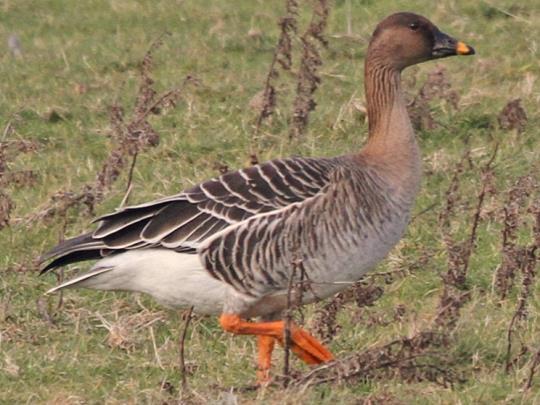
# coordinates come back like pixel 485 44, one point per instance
pixel 303 344
pixel 307 347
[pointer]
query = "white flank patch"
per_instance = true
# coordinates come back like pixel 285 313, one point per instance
pixel 175 280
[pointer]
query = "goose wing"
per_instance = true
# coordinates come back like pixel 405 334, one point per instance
pixel 257 256
pixel 183 221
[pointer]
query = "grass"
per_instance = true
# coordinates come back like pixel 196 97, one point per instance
pixel 78 59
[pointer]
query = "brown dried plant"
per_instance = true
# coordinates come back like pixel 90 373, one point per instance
pixel 404 358
pixel 526 259
pixel 182 360
pixel 9 149
pixel 364 293
pixel 308 79
pixel 19 178
pixel 436 87
pixel 532 370
pixel 454 294
pixel 265 101
pixel 289 28
pixel 456 250
pixel 512 211
pixel 325 322
pixel 3 159
pixel 513 116
pixel 129 136
pixel 6 203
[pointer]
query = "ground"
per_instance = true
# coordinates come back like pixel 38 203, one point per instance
pixel 65 63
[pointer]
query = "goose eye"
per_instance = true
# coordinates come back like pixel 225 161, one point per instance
pixel 414 26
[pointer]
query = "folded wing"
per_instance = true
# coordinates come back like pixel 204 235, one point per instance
pixel 183 221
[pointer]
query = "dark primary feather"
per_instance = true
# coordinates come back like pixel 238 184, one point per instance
pixel 80 248
pixel 183 221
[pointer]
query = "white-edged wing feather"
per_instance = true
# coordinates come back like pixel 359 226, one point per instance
pixel 182 222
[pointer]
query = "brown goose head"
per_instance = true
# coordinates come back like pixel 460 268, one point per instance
pixel 405 39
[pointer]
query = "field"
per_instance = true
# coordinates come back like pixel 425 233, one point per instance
pixel 452 315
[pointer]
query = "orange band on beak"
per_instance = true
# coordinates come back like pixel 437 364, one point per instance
pixel 463 49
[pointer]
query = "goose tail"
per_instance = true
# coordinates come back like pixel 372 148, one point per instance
pixel 80 248
pixel 80 280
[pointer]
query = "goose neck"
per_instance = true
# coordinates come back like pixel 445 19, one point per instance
pixel 391 143
pixel 383 94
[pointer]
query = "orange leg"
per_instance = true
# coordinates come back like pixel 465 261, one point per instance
pixel 303 344
pixel 266 347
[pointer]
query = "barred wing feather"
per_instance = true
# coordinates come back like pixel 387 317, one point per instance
pixel 255 256
pixel 183 221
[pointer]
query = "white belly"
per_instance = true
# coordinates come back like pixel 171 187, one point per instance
pixel 175 280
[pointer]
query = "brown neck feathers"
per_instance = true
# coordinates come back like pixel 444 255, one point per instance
pixel 391 142
pixel 383 92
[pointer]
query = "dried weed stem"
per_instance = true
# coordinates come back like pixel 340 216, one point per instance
pixel 282 56
pixel 308 78
pixel 453 296
pixel 130 137
pixel 526 259
pixel 404 357
pixel 182 360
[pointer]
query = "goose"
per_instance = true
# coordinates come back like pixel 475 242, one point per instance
pixel 231 246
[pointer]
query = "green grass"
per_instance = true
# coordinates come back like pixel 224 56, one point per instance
pixel 100 347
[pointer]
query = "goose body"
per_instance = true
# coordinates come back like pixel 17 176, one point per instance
pixel 337 234
pixel 335 237
pixel 231 245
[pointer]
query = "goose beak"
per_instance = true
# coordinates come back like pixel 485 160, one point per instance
pixel 463 49
pixel 445 45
